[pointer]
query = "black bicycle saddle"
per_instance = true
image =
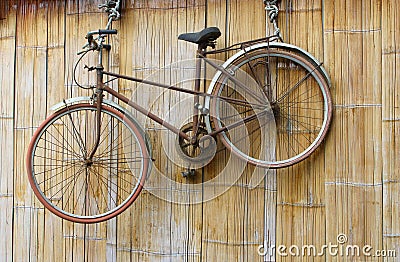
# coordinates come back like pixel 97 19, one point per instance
pixel 206 35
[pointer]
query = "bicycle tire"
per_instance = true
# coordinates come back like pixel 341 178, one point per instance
pixel 70 186
pixel 302 112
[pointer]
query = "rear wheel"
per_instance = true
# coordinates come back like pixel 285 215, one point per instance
pixel 75 187
pixel 280 83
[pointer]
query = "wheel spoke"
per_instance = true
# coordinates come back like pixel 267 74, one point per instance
pixel 79 189
pixel 298 98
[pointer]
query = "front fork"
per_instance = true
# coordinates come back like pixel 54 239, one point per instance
pixel 98 95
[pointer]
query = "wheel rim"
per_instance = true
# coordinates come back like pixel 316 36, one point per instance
pixel 314 74
pixel 79 189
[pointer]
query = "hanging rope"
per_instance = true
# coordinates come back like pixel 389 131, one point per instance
pixel 113 9
pixel 273 10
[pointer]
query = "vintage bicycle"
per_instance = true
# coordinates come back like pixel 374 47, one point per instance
pixel 88 161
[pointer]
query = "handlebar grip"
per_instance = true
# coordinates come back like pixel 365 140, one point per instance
pixel 101 32
pixel 107 32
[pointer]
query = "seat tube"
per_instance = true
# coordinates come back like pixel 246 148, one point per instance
pixel 197 83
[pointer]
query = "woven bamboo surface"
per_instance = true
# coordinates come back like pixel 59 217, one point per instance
pixel 350 185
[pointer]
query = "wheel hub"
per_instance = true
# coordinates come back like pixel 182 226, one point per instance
pixel 275 110
pixel 88 162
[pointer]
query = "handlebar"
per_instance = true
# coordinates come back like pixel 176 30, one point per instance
pixel 102 32
pixel 93 44
pixel 112 7
pixel 108 31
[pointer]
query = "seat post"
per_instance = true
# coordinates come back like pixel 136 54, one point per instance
pixel 201 48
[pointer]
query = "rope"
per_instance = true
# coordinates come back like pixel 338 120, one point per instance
pixel 273 10
pixel 113 9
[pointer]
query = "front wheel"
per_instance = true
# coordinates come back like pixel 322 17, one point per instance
pixel 80 189
pixel 286 106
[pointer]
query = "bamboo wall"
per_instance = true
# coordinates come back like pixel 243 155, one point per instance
pixel 350 185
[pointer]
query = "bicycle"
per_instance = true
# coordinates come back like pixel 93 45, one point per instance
pixel 89 160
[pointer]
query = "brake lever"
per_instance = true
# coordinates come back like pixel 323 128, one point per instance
pixel 86 48
pixel 81 52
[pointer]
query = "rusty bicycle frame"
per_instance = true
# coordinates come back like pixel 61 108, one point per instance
pixel 104 183
pixel 200 56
